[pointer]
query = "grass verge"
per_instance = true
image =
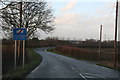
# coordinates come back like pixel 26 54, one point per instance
pixel 52 50
pixel 21 72
pixel 70 56
pixel 117 68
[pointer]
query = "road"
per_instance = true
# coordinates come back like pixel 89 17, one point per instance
pixel 58 66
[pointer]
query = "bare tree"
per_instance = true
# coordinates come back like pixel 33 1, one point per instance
pixel 36 16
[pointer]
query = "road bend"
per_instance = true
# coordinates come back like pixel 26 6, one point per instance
pixel 58 66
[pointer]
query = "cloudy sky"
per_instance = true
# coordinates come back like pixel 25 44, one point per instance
pixel 80 20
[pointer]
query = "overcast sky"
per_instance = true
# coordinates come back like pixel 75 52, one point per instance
pixel 80 20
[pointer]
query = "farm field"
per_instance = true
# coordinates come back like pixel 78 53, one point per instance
pixel 92 54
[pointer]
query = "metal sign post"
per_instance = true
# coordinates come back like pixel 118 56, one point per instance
pixel 23 53
pixel 15 54
pixel 20 34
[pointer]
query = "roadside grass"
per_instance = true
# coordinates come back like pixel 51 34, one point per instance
pixel 111 67
pixel 70 56
pixel 79 58
pixel 52 50
pixel 21 72
pixel 78 53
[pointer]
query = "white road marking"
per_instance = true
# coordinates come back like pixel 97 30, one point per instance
pixel 89 76
pixel 80 68
pixel 35 69
pixel 101 76
pixel 73 68
pixel 82 76
pixel 96 75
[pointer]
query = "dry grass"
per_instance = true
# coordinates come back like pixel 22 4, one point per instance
pixel 78 53
pixel 7 57
pixel 21 72
pixel 107 54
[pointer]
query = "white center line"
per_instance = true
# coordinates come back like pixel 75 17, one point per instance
pixel 89 76
pixel 82 76
pixel 80 68
pixel 35 69
pixel 97 75
pixel 73 68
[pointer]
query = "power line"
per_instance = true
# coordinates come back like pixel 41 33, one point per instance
pixel 110 14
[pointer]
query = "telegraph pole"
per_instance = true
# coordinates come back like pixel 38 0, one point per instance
pixel 20 27
pixel 19 42
pixel 100 42
pixel 115 41
pixel 20 13
pixel 23 61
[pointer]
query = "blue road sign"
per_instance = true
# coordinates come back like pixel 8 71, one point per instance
pixel 19 34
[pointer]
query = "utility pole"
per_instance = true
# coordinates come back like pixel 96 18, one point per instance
pixel 19 45
pixel 23 61
pixel 100 42
pixel 115 41
pixel 20 13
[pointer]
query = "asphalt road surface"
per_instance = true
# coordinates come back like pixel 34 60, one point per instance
pixel 58 66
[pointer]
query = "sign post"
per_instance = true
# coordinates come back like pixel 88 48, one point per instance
pixel 15 53
pixel 20 34
pixel 23 53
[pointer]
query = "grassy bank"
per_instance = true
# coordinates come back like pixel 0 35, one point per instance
pixel 88 55
pixel 21 72
pixel 52 50
pixel 111 67
pixel 70 56
pixel 78 53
